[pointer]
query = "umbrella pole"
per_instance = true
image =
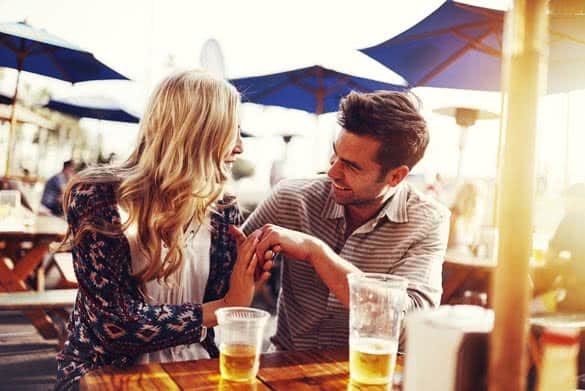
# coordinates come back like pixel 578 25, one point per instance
pixel 526 50
pixel 463 134
pixel 12 131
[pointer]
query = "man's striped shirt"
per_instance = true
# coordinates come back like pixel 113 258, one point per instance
pixel 407 238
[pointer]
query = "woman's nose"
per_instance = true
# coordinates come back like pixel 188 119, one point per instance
pixel 239 148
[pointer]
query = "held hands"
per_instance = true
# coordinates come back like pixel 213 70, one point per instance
pixel 294 244
pixel 241 291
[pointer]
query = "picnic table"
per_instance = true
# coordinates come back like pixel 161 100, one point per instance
pixel 309 370
pixel 15 269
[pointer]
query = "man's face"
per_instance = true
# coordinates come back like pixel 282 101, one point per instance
pixel 356 175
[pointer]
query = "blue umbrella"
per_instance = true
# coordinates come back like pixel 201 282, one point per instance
pixel 315 89
pixel 97 107
pixel 25 48
pixel 5 100
pixel 460 46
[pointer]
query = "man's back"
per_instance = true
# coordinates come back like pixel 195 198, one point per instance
pixel 53 194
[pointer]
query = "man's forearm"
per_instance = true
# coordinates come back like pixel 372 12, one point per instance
pixel 332 269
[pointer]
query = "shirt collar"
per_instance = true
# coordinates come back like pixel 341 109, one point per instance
pixel 394 209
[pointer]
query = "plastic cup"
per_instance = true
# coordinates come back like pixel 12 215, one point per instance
pixel 377 304
pixel 241 331
pixel 9 203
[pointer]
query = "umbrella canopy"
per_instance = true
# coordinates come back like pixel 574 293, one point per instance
pixel 460 46
pixel 97 107
pixel 25 48
pixel 314 89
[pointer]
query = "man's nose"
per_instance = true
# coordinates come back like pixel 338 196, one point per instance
pixel 334 171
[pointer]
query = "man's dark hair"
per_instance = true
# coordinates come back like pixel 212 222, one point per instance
pixel 393 119
pixel 68 164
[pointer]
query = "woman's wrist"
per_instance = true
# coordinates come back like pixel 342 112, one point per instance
pixel 226 302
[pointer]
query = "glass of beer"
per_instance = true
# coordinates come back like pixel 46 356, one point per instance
pixel 376 310
pixel 240 331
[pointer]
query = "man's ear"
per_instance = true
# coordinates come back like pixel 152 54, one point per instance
pixel 396 175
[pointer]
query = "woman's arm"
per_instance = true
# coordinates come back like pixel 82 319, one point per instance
pixel 110 300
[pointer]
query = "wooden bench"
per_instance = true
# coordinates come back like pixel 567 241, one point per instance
pixel 32 303
pixel 46 300
pixel 64 264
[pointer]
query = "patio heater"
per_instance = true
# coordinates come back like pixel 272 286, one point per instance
pixel 465 117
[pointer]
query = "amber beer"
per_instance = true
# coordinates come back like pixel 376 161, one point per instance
pixel 238 362
pixel 372 360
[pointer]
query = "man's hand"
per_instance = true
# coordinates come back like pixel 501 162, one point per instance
pixel 293 244
pixel 263 267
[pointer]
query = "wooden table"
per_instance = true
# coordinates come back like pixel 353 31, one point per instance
pixel 15 270
pixel 461 267
pixel 313 370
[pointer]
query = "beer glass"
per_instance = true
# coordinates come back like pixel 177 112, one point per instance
pixel 376 309
pixel 240 330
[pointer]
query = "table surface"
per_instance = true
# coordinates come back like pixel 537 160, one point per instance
pixel 463 259
pixel 318 370
pixel 49 226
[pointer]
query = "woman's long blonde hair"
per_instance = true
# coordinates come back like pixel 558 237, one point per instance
pixel 177 171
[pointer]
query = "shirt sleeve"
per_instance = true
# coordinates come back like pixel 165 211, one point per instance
pixel 109 297
pixel 422 266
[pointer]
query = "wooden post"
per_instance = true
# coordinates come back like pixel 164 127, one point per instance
pixel 12 130
pixel 526 53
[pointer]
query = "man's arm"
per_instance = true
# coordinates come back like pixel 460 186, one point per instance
pixel 422 266
pixel 330 267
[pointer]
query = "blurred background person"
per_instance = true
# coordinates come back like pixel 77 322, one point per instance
pixel 565 266
pixel 52 197
pixel 466 218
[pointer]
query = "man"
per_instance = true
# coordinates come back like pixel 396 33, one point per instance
pixel 565 263
pixel 363 217
pixel 52 197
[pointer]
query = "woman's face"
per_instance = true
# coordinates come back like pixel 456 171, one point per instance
pixel 236 150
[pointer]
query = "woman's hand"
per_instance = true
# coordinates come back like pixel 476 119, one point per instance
pixel 241 291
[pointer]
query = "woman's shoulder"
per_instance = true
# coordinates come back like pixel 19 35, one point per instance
pixel 84 193
pixel 228 210
pixel 91 201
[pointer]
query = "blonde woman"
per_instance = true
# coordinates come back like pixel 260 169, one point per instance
pixel 466 218
pixel 151 238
